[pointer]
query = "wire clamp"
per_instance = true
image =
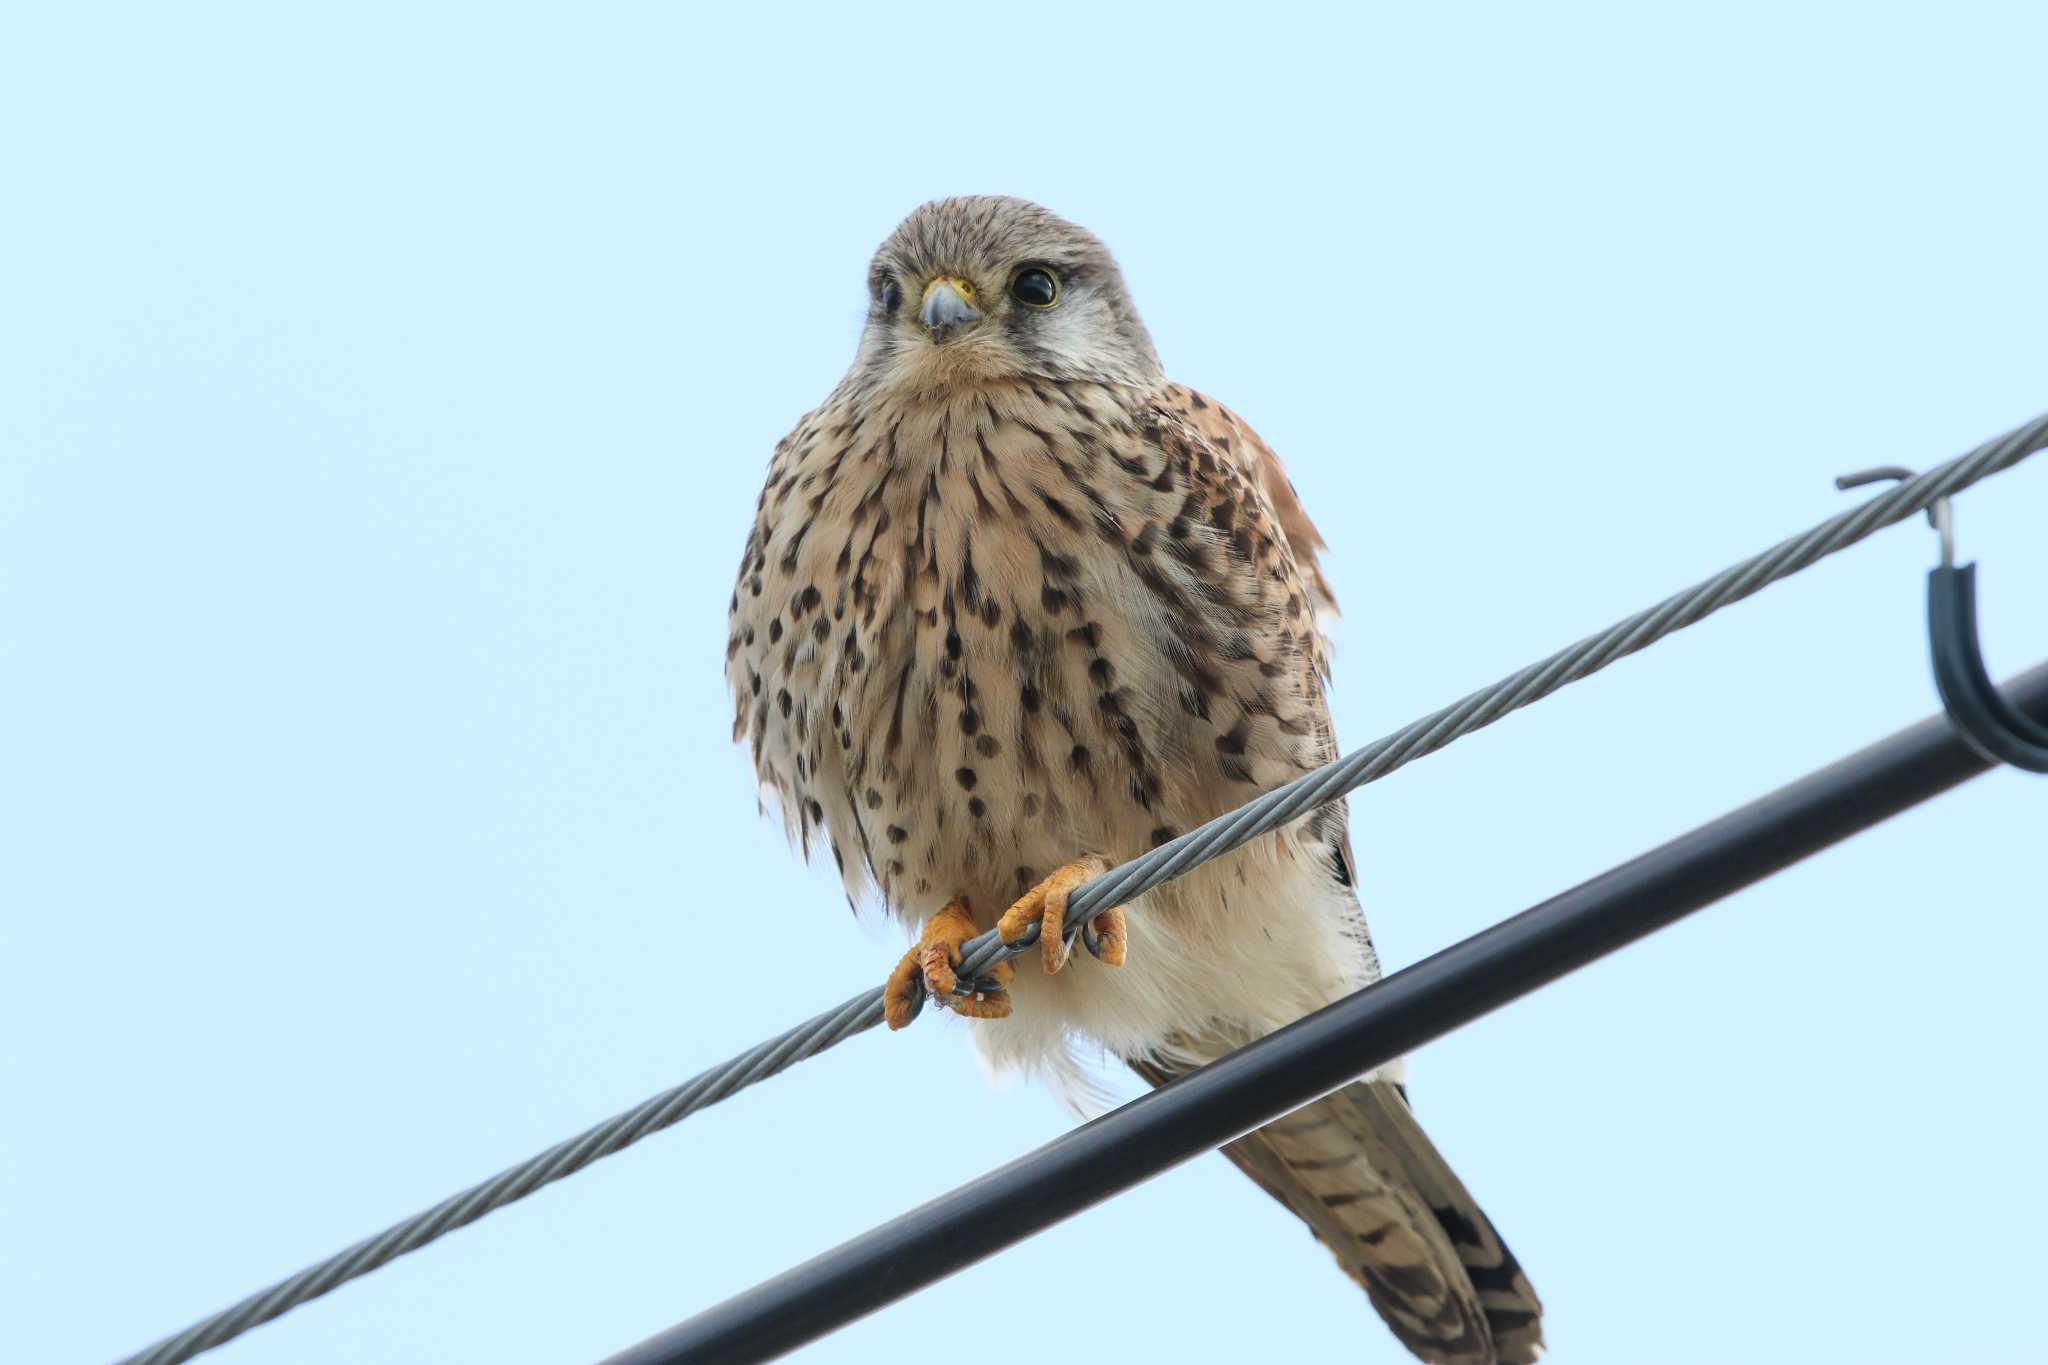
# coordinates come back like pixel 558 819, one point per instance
pixel 1994 727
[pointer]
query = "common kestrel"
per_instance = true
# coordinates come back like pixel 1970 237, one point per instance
pixel 1015 607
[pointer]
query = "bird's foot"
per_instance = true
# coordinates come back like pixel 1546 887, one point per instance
pixel 1046 905
pixel 934 966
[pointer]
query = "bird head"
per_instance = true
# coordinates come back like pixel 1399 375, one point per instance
pixel 987 289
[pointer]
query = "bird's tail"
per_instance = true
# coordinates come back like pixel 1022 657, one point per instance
pixel 1358 1169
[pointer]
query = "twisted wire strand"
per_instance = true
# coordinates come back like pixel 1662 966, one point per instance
pixel 1122 884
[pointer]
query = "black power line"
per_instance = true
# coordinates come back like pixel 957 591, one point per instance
pixel 1331 1047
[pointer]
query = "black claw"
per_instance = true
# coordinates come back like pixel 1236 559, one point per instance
pixel 980 985
pixel 1092 939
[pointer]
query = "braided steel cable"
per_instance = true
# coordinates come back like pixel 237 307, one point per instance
pixel 1123 884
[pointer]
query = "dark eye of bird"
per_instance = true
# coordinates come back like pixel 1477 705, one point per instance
pixel 1035 288
pixel 889 297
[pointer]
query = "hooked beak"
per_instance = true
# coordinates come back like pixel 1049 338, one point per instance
pixel 946 306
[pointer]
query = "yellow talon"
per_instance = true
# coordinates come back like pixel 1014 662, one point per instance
pixel 1046 905
pixel 934 962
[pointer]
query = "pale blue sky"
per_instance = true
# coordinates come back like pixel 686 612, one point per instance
pixel 384 391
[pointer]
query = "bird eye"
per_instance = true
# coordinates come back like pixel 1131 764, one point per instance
pixel 888 296
pixel 1035 288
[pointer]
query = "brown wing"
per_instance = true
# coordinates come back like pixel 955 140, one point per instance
pixel 1234 437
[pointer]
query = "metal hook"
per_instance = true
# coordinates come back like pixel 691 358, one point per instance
pixel 1996 729
pixel 1940 516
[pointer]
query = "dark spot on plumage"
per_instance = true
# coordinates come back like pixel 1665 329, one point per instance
pixel 1234 741
pixel 1236 769
pixel 754 585
pixel 1129 464
pixel 1235 646
pixel 775 630
pixel 873 798
pixel 1052 599
pixel 1101 671
pixel 1196 399
pixel 1340 866
pixel 732 647
pixel 1054 563
pixel 1192 554
pixel 817 811
pixel 1269 669
pixel 970 721
pixel 809 597
pixel 1143 544
pixel 1044 436
pixel 1078 757
pixel 952 644
pixel 796 542
pixel 1505 1322
pixel 897 834
pixel 965 777
pixel 754 681
pixel 1030 803
pixel 1410 1281
pixel 1089 635
pixel 1059 510
pixel 895 737
pixel 783 700
pixel 982 505
pixel 1030 698
pixel 988 746
pixel 1162 835
pixel 991 613
pixel 976 807
pixel 1177 529
pixel 820 628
